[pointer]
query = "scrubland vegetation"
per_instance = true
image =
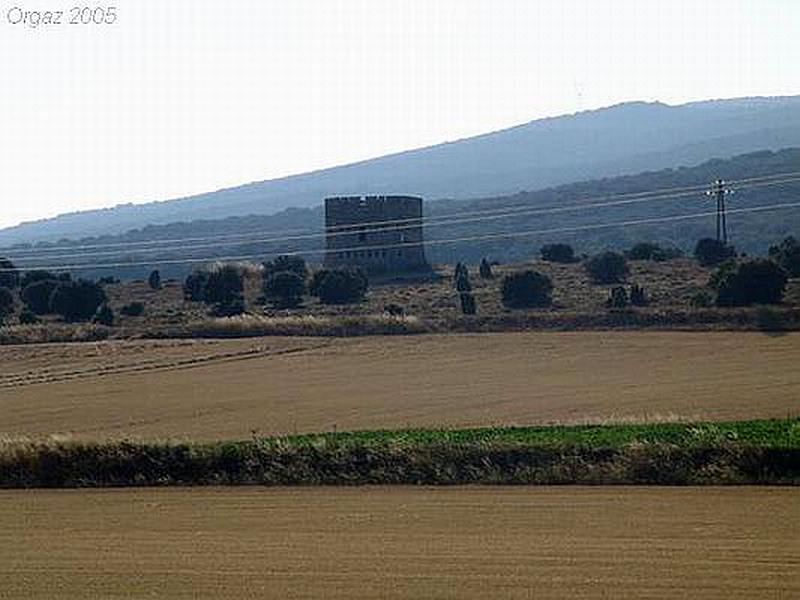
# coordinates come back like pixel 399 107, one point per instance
pixel 646 286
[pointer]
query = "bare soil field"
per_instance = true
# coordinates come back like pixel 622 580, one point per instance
pixel 227 389
pixel 469 542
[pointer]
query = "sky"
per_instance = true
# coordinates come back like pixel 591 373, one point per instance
pixel 176 97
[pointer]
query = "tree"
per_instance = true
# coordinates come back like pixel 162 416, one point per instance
pixel 651 251
pixel 468 306
pixel 224 285
pixel 316 281
pixel 30 277
pixel 285 288
pixel 154 280
pixel 485 269
pixel 77 300
pixel 617 297
pixel 221 285
pixel 104 316
pixel 560 253
pixel 194 287
pixel 342 287
pixel 26 317
pixel 461 280
pixel 36 295
pixel 286 262
pixel 753 282
pixel 787 255
pixel 710 252
pixel 9 275
pixel 607 267
pixel 6 303
pixel 638 296
pixel 527 289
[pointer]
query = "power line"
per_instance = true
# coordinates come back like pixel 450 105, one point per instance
pixel 662 193
pixel 443 221
pixel 475 238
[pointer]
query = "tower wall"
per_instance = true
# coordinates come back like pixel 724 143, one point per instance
pixel 379 234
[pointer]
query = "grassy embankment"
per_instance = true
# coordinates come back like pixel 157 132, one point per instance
pixel 741 452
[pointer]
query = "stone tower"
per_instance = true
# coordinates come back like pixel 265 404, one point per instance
pixel 379 234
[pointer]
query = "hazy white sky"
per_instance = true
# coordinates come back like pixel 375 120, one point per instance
pixel 185 96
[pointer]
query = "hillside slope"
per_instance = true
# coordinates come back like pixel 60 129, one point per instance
pixel 621 139
pixel 752 232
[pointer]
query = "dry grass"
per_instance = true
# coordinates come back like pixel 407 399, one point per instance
pixel 306 325
pixel 431 305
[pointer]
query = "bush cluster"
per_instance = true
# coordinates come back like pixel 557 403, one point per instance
pixel 222 286
pixel 607 267
pixel 651 251
pixel 77 300
pixel 559 253
pixel 333 286
pixel 787 256
pixel 752 282
pixel 527 289
pixel 710 252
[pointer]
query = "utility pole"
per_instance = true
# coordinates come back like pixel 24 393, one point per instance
pixel 719 191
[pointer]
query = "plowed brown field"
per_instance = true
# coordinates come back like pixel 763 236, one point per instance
pixel 466 542
pixel 212 389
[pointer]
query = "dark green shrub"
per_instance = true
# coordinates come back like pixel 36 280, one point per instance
pixel 77 300
pixel 154 280
pixel 36 295
pixel 286 262
pixel 753 282
pixel 224 285
pixel 6 302
pixel 234 306
pixel 485 269
pixel 702 299
pixel 9 275
pixel 316 280
pixel 710 252
pixel 394 309
pixel 559 253
pixel 787 255
pixel 194 287
pixel 461 280
pixel 651 251
pixel 527 289
pixel 460 271
pixel 134 309
pixel 607 267
pixel 468 306
pixel 638 296
pixel 285 289
pixel 104 316
pixel 342 287
pixel 617 297
pixel 27 317
pixel 108 280
pixel 30 277
pixel 768 319
pixel 221 285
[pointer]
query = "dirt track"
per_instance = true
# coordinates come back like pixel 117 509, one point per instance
pixel 226 389
pixel 402 543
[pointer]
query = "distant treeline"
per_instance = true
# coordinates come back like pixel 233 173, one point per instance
pixel 750 232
